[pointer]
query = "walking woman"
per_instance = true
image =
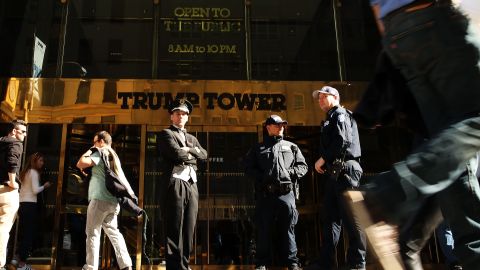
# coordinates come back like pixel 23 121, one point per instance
pixel 28 211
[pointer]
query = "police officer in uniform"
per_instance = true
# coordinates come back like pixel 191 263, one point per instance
pixel 339 161
pixel 180 152
pixel 276 164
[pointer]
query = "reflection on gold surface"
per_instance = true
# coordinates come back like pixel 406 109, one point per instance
pixel 216 103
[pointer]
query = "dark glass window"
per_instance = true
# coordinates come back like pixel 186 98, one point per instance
pixel 293 40
pixel 201 40
pixel 19 22
pixel 360 40
pixel 109 39
pixel 191 39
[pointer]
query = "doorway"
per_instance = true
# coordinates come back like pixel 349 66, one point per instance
pixel 74 193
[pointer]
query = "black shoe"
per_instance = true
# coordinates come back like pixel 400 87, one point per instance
pixel 313 266
pixel 455 266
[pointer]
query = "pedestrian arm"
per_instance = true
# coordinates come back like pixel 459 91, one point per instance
pixel 378 20
pixel 171 149
pixel 251 166
pixel 13 163
pixel 300 167
pixel 197 150
pixel 85 160
pixel 35 180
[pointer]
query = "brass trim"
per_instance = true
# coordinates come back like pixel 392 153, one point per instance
pixel 234 104
pixel 58 208
pixel 141 193
pixel 207 128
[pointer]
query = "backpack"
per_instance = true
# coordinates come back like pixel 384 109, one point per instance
pixel 125 199
pixel 115 187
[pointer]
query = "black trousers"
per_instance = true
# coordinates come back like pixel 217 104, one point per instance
pixel 275 218
pixel 336 215
pixel 181 209
pixel 28 218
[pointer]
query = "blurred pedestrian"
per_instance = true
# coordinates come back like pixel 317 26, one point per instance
pixel 427 41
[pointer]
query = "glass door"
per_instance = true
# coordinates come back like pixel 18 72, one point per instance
pixel 71 246
pixel 224 226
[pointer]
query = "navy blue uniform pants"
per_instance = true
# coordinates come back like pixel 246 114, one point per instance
pixel 336 215
pixel 276 214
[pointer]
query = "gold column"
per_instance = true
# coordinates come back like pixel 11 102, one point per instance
pixel 141 193
pixel 58 204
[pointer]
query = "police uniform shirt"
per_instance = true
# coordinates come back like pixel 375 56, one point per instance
pixel 339 135
pixel 275 161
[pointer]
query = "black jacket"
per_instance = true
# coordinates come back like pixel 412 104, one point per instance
pixel 339 136
pixel 275 161
pixel 169 146
pixel 11 151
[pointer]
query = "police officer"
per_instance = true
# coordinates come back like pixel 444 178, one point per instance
pixel 276 164
pixel 339 161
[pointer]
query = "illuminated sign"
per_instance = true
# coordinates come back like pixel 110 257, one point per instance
pixel 213 30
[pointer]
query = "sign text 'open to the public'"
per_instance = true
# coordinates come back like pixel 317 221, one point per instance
pixel 225 101
pixel 201 22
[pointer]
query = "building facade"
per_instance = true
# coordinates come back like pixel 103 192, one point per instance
pixel 74 67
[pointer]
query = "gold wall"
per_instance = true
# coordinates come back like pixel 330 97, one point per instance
pixel 218 103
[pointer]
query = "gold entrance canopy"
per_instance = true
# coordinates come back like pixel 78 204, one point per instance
pixel 223 103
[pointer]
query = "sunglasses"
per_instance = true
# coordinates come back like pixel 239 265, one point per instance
pixel 22 131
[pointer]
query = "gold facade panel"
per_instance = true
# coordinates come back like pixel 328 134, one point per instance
pixel 216 103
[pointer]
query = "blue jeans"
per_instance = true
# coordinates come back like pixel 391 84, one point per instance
pixel 446 242
pixel 435 169
pixel 429 48
pixel 460 205
pixel 415 234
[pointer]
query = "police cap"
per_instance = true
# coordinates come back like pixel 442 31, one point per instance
pixel 275 119
pixel 326 90
pixel 180 104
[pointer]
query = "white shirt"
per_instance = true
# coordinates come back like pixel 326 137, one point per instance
pixel 30 186
pixel 185 173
